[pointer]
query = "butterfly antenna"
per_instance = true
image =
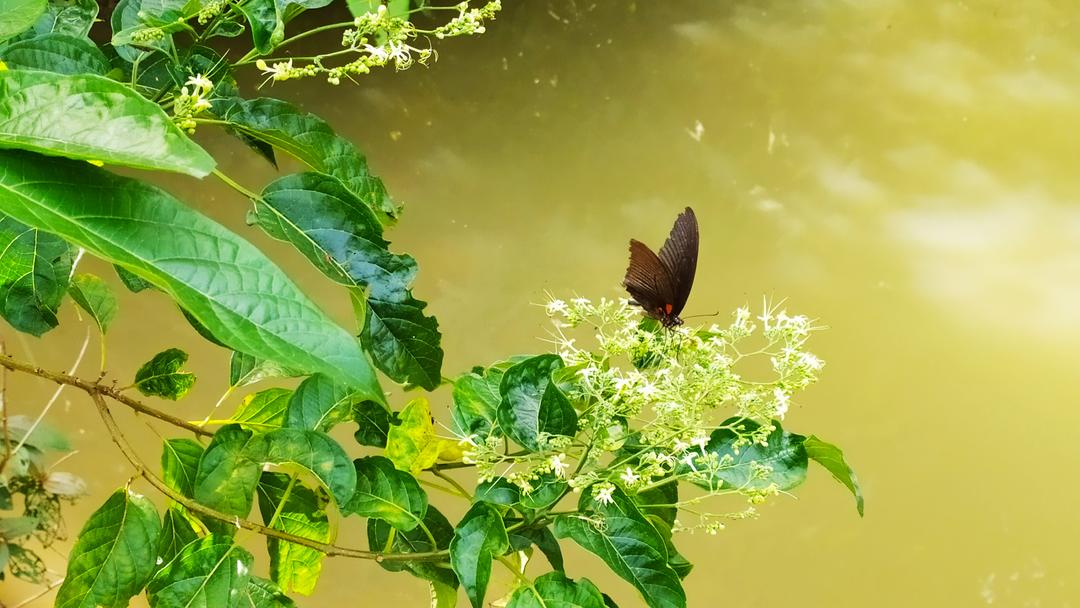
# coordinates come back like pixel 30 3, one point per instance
pixel 715 314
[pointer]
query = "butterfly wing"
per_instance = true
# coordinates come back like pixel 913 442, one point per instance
pixel 679 258
pixel 647 279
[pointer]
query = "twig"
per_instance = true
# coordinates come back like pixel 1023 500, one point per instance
pixel 94 388
pixel 55 395
pixel 157 482
pixel 43 593
pixel 3 410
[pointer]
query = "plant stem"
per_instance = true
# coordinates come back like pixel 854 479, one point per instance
pixel 325 548
pixel 3 410
pixel 235 186
pixel 284 499
pixel 94 388
pixel 450 480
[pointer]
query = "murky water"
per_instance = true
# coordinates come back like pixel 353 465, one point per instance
pixel 904 171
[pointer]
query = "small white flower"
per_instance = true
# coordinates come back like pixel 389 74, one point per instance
pixel 688 460
pixel 679 446
pixel 556 307
pixel 648 390
pixel 377 52
pixel 558 465
pixel 629 477
pixel 201 105
pixel 200 82
pixel 700 441
pixel 783 400
pixel 602 494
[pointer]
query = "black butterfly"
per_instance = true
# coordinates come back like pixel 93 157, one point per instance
pixel 661 284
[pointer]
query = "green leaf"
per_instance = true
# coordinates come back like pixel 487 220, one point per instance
pixel 180 464
pixel 91 117
pixel 19 15
pixel 300 511
pixel 320 403
pixel 544 540
pixel 383 492
pixel 398 8
pixel 740 463
pixel 208 270
pixel 442 595
pixel 25 564
pixel 132 281
pixel 58 53
pixel 261 593
pixel 161 376
pixel 211 572
pixel 5 555
pixel 177 532
pixel 95 297
pixel 311 140
pixel 14 527
pixel 629 545
pixel 227 473
pixel 498 491
pixel 264 409
pixel 412 445
pixel 374 422
pixel 70 17
pixel 267 27
pixel 416 540
pixel 34 271
pixel 479 536
pixel 130 16
pixel 245 369
pixel 229 470
pixel 832 458
pixel 554 590
pixel 114 556
pixel 657 502
pixel 476 401
pixel 547 490
pixel 532 405
pixel 342 237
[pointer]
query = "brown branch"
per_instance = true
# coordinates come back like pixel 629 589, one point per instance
pixel 157 482
pixel 95 388
pixel 4 410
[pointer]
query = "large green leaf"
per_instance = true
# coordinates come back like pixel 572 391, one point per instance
pixel 311 140
pixel 19 15
pixel 320 403
pixel 245 369
pixel 211 572
pixel 95 297
pixel 342 237
pixel 114 556
pixel 93 118
pixel 374 423
pixel 554 590
pixel 412 444
pixel 533 405
pixel 59 53
pixel 832 458
pixel 288 506
pixel 229 470
pixel 177 532
pixel 161 375
pixel 264 409
pixel 741 465
pixel 223 281
pixel 628 544
pixel 35 268
pixel 180 464
pixel 476 401
pixel 130 16
pixel 71 17
pixel 385 493
pixel 544 540
pixel 480 536
pixel 261 593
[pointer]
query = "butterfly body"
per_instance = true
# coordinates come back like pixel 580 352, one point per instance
pixel 661 284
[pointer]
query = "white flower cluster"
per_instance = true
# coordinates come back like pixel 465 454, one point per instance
pixel 193 100
pixel 469 20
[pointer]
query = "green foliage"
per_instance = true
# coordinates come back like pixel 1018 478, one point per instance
pixel 290 507
pixel 554 590
pixel 374 423
pixel 34 271
pixel 95 297
pixel 264 409
pixel 479 537
pixel 210 571
pixel 114 556
pixel 202 266
pixel 38 112
pixel 618 533
pixel 161 375
pixel 433 534
pixel 730 459
pixel 320 404
pixel 532 406
pixel 383 492
pixel 70 17
pixel 832 458
pixel 180 463
pixel 18 15
pixel 411 444
pixel 60 53
pixel 245 369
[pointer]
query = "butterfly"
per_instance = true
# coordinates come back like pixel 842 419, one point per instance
pixel 660 284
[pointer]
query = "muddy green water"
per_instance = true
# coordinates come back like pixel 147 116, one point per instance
pixel 905 171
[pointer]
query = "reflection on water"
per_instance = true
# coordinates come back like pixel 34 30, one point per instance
pixel 903 171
